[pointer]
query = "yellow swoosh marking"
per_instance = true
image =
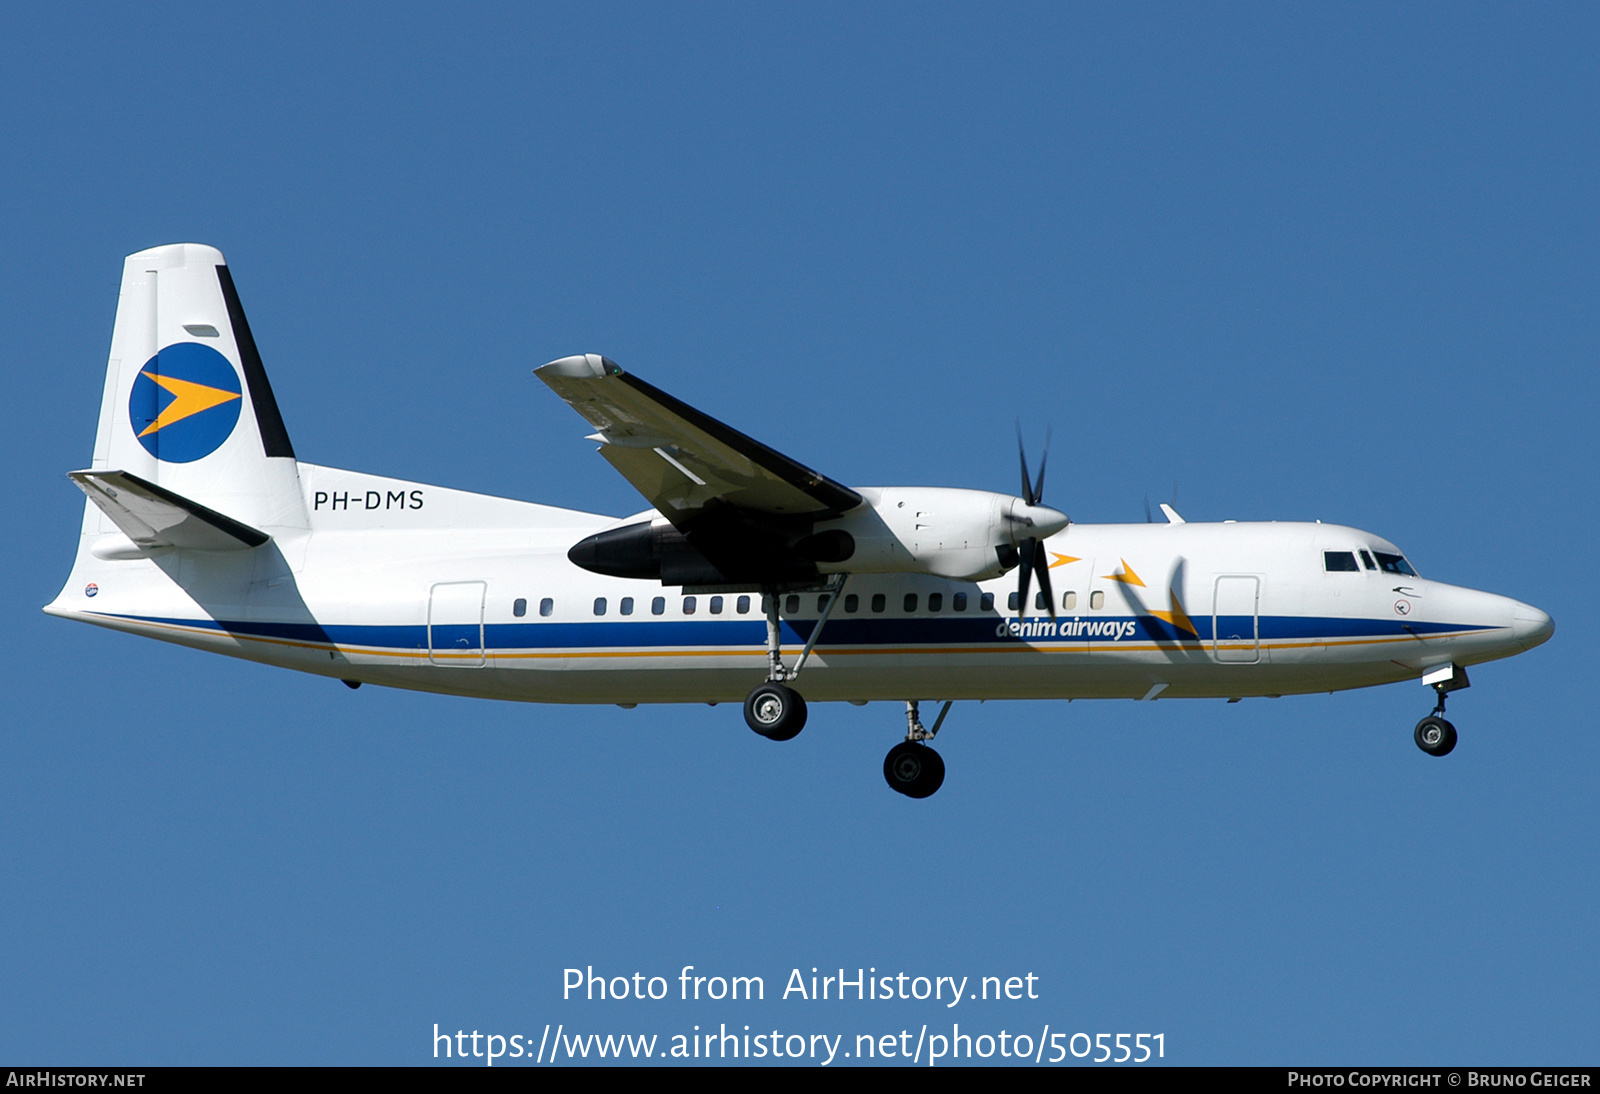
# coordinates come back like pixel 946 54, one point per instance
pixel 1177 616
pixel 1127 576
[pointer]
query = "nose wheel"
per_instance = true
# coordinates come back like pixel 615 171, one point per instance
pixel 1434 735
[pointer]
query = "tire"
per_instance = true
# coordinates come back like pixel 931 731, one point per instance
pixel 913 769
pixel 774 711
pixel 1435 736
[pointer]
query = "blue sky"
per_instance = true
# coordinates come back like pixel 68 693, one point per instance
pixel 1286 261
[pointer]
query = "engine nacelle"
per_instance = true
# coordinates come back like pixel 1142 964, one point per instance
pixel 969 535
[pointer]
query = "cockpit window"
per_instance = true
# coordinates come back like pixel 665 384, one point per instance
pixel 1340 562
pixel 1366 560
pixel 1394 564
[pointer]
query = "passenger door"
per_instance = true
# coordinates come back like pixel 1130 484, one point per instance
pixel 1235 620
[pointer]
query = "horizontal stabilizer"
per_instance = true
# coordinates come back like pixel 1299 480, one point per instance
pixel 153 518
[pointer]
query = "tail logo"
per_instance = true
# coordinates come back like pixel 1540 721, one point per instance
pixel 185 403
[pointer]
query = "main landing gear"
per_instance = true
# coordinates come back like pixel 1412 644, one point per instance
pixel 1434 735
pixel 911 767
pixel 778 712
pixel 773 708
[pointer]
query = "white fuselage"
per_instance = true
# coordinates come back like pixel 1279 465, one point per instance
pixel 421 587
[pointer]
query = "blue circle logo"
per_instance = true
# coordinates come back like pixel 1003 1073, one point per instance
pixel 185 402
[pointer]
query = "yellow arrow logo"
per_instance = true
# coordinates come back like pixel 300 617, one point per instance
pixel 188 399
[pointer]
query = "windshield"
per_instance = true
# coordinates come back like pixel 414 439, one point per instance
pixel 1394 564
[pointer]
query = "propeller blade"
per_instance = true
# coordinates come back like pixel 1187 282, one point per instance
pixel 1038 487
pixel 1022 456
pixel 1149 518
pixel 1028 549
pixel 1041 566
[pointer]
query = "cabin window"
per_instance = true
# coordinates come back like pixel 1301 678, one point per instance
pixel 852 603
pixel 658 606
pixel 1012 601
pixel 986 602
pixel 935 601
pixel 1039 602
pixel 519 607
pixel 1340 562
pixel 688 605
pixel 599 605
pixel 1069 601
pixel 791 604
pixel 958 602
pixel 822 603
pixel 626 605
pixel 879 602
pixel 1097 600
pixel 911 602
pixel 1394 564
pixel 546 606
pixel 1366 560
pixel 716 605
pixel 743 605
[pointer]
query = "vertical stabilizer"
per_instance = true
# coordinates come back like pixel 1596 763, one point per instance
pixel 187 405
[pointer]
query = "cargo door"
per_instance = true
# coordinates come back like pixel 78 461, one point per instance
pixel 455 624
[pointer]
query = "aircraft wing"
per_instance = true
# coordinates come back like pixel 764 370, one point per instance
pixel 681 460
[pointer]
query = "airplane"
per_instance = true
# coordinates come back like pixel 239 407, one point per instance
pixel 748 572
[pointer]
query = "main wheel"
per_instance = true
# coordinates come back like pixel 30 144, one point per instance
pixel 1435 736
pixel 913 769
pixel 776 712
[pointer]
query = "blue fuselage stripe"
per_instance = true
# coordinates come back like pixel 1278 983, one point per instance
pixel 980 630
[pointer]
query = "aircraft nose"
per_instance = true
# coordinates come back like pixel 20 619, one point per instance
pixel 1530 626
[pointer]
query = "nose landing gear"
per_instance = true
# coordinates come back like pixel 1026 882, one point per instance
pixel 1434 735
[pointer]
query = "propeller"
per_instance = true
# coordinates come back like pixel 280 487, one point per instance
pixel 1032 557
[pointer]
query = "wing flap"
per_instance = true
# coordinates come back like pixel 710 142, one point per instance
pixel 682 460
pixel 153 518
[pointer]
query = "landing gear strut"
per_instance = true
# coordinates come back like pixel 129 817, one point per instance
pixel 912 768
pixel 773 709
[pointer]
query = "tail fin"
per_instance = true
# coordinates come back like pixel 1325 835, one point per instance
pixel 187 406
